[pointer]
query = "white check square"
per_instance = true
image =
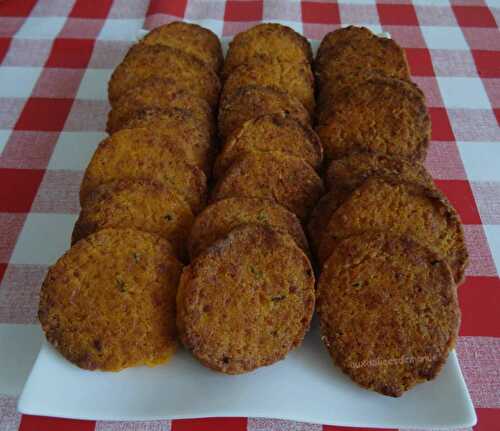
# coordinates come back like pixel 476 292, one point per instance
pixel 94 85
pixel 41 27
pixel 444 37
pixel 493 236
pixel 462 92
pixel 74 150
pixel 43 239
pixel 480 160
pixel 120 29
pixel 18 81
pixel 4 137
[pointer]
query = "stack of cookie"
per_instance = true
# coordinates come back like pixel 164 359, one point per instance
pixel 109 302
pixel 390 246
pixel 247 297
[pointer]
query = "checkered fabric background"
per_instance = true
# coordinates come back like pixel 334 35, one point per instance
pixel 55 60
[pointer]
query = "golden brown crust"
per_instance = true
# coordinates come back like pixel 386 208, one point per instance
pixel 251 101
pixel 246 301
pixel 388 311
pixel 352 170
pixel 198 41
pixel 271 40
pixel 381 115
pixel 274 176
pixel 345 59
pixel 274 132
pixel 162 94
pixel 109 302
pixel 180 128
pixel 404 209
pixel 137 204
pixel 218 219
pixel 350 33
pixel 158 61
pixel 296 79
pixel 118 157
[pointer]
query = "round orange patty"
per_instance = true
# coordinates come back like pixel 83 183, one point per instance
pixel 198 41
pixel 158 61
pixel 219 218
pixel 246 301
pixel 273 132
pixel 274 176
pixel 109 302
pixel 140 154
pixel 252 101
pixel 139 204
pixel 388 311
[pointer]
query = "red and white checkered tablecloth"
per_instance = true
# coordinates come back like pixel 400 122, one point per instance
pixel 55 60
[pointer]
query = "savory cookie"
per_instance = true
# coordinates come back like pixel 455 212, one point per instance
pixel 198 41
pixel 274 132
pixel 137 204
pixel 350 33
pixel 218 219
pixel 412 210
pixel 180 128
pixel 158 61
pixel 388 311
pixel 296 79
pixel 270 40
pixel 139 154
pixel 251 101
pixel 246 301
pixel 109 302
pixel 162 94
pixel 275 176
pixel 382 115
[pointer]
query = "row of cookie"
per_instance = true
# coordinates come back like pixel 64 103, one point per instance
pixel 247 297
pixel 109 302
pixel 389 244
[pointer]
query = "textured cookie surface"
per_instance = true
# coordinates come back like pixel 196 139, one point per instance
pixel 271 40
pixel 381 115
pixel 271 133
pixel 162 94
pixel 251 101
pixel 116 159
pixel 218 219
pixel 296 79
pixel 388 311
pixel 403 209
pixel 191 38
pixel 138 204
pixel 158 61
pixel 274 176
pixel 109 302
pixel 246 301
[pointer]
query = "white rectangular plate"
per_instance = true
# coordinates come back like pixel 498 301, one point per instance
pixel 304 387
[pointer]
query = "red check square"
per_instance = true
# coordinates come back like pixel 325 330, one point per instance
pixel 209 424
pixel 479 299
pixel 72 53
pixel 397 14
pixel 460 195
pixel 91 9
pixel 487 419
pixel 420 61
pixel 474 16
pixel 44 114
pixel 18 188
pixel 43 423
pixel 320 13
pixel 487 63
pixel 174 8
pixel 441 127
pixel 16 7
pixel 4 47
pixel 244 10
pixel 3 267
